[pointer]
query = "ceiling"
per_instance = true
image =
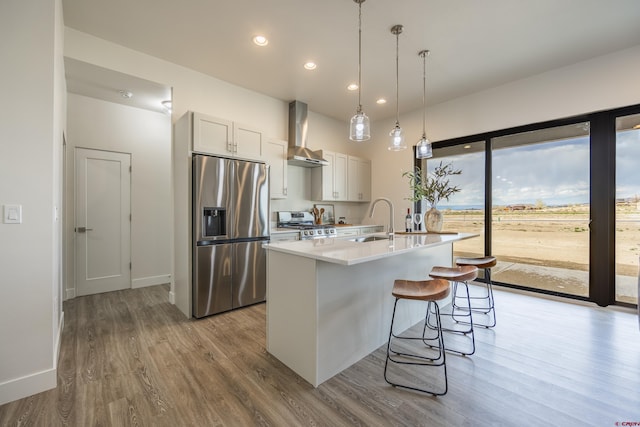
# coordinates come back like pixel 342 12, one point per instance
pixel 475 45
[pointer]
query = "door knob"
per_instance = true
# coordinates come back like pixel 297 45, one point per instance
pixel 83 229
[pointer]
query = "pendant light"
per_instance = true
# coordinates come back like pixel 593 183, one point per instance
pixel 423 149
pixel 359 129
pixel 396 142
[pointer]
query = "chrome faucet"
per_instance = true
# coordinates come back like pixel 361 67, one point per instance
pixel 391 214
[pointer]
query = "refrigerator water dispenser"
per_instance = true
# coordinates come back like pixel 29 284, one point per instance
pixel 214 222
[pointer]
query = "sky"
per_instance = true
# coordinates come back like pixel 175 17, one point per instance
pixel 555 173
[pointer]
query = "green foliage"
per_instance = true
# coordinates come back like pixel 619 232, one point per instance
pixel 432 187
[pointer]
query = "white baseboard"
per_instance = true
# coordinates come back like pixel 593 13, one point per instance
pixel 28 385
pixel 150 281
pixel 35 383
pixel 172 297
pixel 135 284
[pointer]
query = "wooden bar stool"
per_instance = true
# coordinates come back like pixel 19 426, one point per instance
pixel 484 304
pixel 423 290
pixel 460 315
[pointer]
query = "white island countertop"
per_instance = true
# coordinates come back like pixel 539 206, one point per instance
pixel 344 251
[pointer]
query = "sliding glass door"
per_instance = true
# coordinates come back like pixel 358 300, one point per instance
pixel 627 210
pixel 540 211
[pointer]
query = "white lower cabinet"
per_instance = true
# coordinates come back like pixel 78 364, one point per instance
pixel 372 229
pixel 285 237
pixel 346 232
pixel 357 231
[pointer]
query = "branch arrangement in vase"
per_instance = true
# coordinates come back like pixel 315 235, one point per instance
pixel 432 187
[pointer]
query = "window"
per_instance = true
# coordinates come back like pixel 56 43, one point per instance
pixel 540 211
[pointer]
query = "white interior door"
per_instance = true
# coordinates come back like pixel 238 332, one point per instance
pixel 103 221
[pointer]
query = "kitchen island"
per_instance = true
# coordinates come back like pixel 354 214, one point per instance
pixel 329 301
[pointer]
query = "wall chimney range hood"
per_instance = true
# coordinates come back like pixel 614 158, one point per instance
pixel 298 153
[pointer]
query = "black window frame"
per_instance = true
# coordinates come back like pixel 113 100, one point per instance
pixel 602 197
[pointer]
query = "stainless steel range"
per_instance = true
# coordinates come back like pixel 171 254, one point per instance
pixel 304 222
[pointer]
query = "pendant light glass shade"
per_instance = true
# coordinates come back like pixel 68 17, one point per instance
pixel 423 149
pixel 359 129
pixel 396 140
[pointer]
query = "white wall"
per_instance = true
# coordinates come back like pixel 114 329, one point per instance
pixel 31 127
pixel 146 135
pixel 602 83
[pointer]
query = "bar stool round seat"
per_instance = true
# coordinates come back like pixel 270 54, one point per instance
pixel 424 290
pixel 461 315
pixel 457 274
pixel 483 305
pixel 431 351
pixel 479 262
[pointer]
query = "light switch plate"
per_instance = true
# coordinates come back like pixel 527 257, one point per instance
pixel 12 214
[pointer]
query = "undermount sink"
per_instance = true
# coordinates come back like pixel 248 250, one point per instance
pixel 368 239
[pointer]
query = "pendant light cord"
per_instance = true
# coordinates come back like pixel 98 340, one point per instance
pixel 359 56
pixel 424 92
pixel 397 76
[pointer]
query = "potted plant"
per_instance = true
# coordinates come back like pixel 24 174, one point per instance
pixel 432 188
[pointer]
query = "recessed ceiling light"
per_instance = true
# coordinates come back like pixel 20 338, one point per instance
pixel 126 94
pixel 310 65
pixel 260 40
pixel 381 101
pixel 352 86
pixel 467 146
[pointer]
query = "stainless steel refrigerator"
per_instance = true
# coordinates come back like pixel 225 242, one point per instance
pixel 230 224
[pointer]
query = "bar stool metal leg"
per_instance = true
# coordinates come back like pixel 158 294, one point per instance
pixel 433 346
pixel 461 315
pixel 484 304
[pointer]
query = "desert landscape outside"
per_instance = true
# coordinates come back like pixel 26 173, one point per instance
pixel 548 247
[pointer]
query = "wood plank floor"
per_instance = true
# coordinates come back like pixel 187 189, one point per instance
pixel 130 358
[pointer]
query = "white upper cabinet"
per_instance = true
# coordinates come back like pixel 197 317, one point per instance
pixel 212 135
pixel 274 152
pixel 359 179
pixel 340 177
pixel 247 142
pixel 329 183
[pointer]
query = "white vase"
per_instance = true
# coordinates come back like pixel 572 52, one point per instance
pixel 433 220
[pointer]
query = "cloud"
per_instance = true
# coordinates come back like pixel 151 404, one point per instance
pixel 556 172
